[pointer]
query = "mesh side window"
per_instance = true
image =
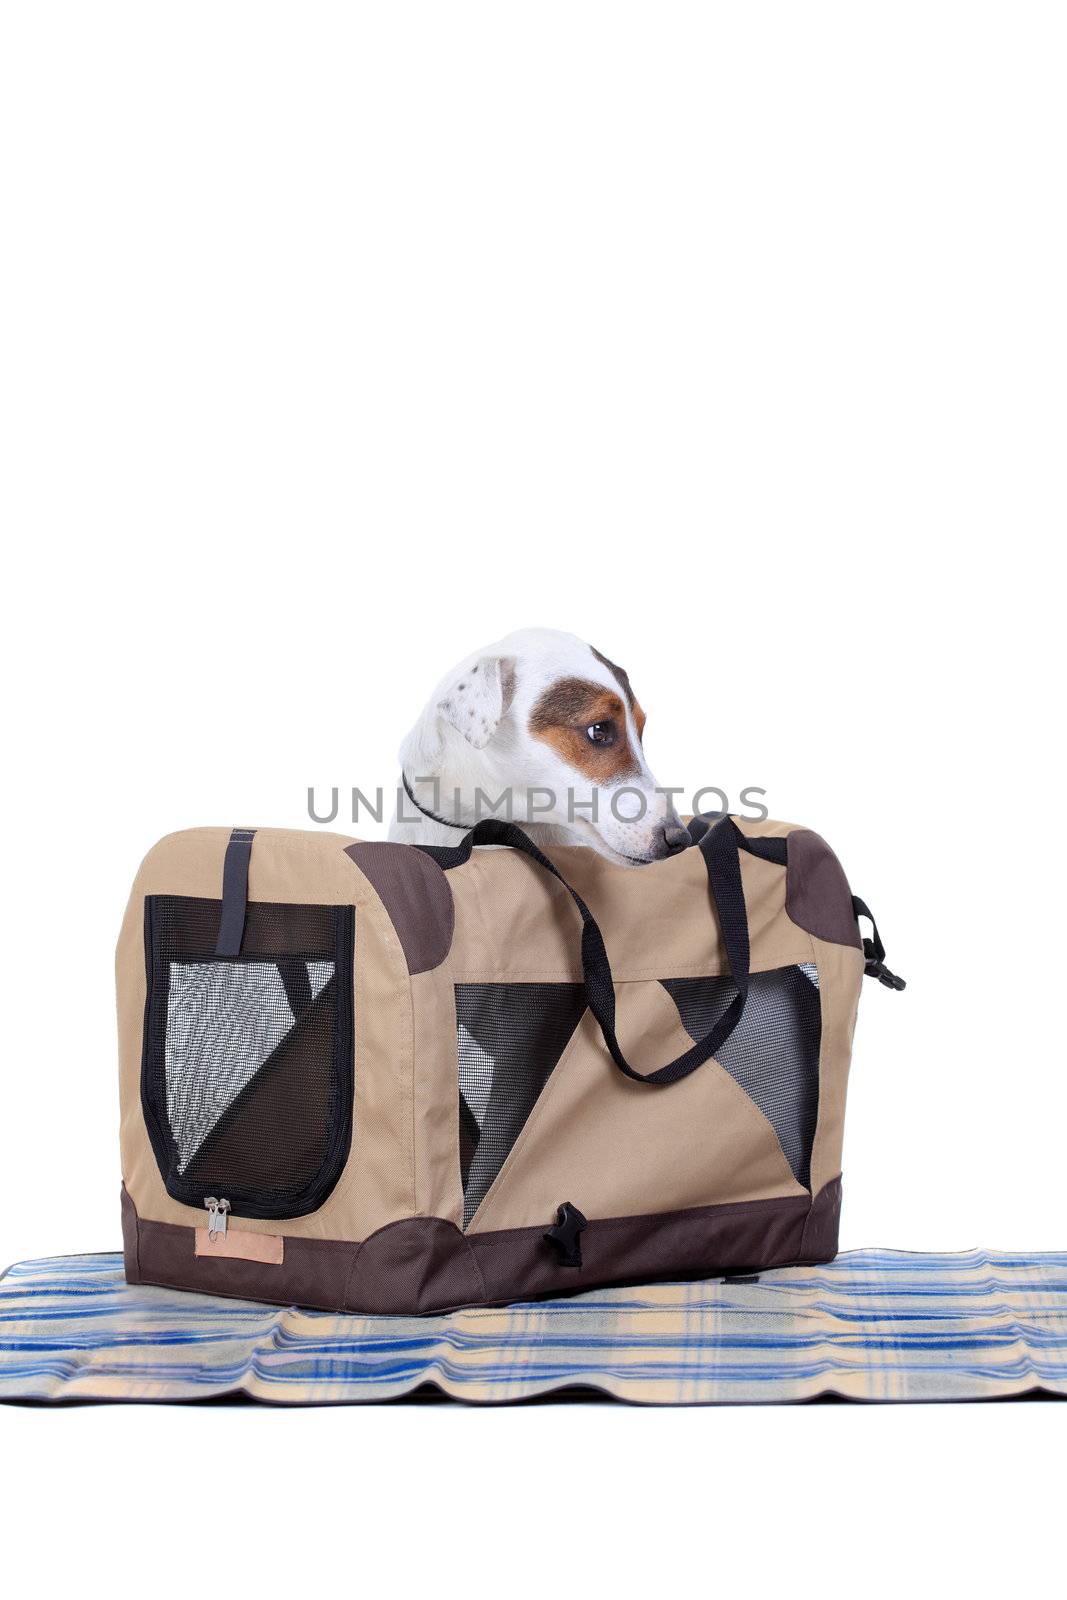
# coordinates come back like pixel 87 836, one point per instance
pixel 247 1073
pixel 773 1053
pixel 225 1020
pixel 509 1038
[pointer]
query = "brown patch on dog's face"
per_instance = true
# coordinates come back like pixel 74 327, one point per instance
pixel 622 677
pixel 586 726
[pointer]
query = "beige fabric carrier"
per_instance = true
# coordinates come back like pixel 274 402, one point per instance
pixel 371 1077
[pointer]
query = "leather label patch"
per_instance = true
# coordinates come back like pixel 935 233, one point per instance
pixel 269 1248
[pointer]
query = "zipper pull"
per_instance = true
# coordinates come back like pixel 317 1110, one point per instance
pixel 216 1215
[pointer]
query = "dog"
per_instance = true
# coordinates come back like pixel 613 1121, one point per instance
pixel 546 719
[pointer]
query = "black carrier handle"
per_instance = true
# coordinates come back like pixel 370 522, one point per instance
pixel 719 848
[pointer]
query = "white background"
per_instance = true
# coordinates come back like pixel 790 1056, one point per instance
pixel 340 339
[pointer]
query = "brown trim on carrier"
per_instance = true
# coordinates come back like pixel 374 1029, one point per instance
pixel 425 1264
pixel 417 896
pixel 313 1273
pixel 817 896
pixel 819 1242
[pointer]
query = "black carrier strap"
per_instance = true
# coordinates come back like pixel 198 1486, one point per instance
pixel 234 892
pixel 770 848
pixel 719 848
pixel 776 849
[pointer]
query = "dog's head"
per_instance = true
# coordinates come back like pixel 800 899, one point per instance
pixel 551 718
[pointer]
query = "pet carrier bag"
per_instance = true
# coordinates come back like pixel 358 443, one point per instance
pixel 374 1077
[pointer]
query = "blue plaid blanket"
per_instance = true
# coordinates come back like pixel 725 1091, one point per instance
pixel 874 1325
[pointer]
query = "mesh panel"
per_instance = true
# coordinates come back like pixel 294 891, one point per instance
pixel 247 1078
pixel 225 1019
pixel 190 927
pixel 509 1038
pixel 773 1053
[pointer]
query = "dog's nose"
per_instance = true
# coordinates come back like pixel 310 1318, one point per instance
pixel 677 838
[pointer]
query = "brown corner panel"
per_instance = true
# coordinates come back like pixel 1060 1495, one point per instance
pixel 821 1228
pixel 817 896
pixel 416 894
pixel 416 1265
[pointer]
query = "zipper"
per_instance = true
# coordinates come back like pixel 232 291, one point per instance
pixel 216 1216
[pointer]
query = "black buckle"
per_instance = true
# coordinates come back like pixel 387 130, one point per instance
pixel 565 1235
pixel 874 950
pixel 879 970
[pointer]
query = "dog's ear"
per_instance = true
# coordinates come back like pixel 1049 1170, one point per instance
pixel 477 701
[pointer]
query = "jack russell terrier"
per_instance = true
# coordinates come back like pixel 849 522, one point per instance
pixel 543 717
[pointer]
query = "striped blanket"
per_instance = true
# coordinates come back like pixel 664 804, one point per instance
pixel 874 1325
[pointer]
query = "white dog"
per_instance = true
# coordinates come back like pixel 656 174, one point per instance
pixel 547 720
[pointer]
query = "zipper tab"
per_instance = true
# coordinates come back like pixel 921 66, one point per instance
pixel 216 1216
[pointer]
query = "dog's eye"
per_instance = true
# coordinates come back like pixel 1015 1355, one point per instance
pixel 601 733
